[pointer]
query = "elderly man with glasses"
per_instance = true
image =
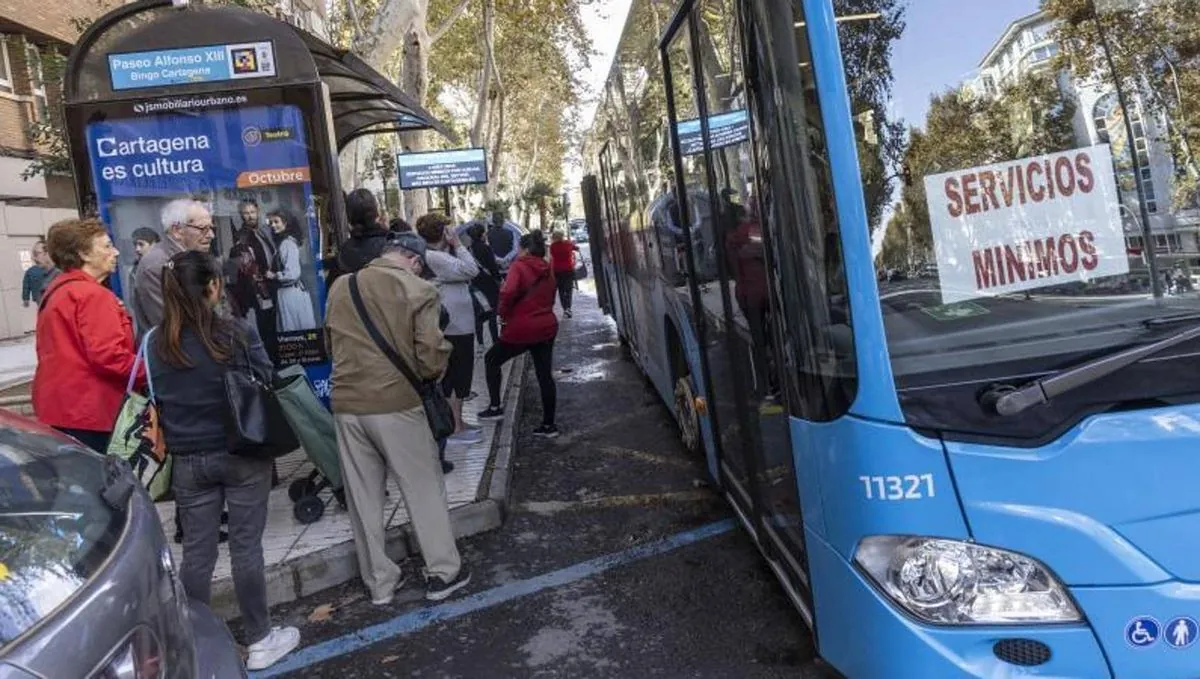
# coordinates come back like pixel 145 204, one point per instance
pixel 188 225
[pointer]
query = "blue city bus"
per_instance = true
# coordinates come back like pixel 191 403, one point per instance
pixel 916 280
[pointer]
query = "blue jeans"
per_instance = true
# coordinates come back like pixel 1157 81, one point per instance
pixel 204 483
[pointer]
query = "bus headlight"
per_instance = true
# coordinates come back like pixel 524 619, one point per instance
pixel 950 582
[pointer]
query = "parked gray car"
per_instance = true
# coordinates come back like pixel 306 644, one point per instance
pixel 88 586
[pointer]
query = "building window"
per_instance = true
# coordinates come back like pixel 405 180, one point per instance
pixel 6 79
pixel 37 81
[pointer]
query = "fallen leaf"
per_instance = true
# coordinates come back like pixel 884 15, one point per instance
pixel 389 659
pixel 321 613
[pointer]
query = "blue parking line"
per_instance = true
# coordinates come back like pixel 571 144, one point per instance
pixel 421 618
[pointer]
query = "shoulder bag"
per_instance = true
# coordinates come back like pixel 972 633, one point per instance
pixel 256 425
pixel 437 409
pixel 137 436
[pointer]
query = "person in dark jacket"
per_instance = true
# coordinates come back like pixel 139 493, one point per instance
pixel 487 282
pixel 502 241
pixel 192 350
pixel 527 307
pixel 37 277
pixel 367 233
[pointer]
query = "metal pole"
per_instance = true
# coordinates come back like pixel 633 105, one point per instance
pixel 1156 284
pixel 446 201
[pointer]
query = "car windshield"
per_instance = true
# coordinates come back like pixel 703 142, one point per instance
pixel 55 528
pixel 1031 185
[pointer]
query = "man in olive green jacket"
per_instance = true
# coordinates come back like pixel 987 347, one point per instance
pixel 381 424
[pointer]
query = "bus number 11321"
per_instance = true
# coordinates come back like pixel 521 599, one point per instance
pixel 910 487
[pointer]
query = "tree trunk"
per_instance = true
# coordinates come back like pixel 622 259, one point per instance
pixel 483 105
pixel 415 81
pixel 489 190
pixel 391 24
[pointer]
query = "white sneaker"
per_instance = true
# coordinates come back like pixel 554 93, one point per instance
pixel 392 596
pixel 272 648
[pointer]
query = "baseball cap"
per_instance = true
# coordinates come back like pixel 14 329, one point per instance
pixel 406 241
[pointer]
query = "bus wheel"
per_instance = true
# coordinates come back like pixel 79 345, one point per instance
pixel 687 415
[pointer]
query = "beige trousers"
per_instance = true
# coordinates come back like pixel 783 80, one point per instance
pixel 370 445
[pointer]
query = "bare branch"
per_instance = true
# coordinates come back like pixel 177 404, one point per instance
pixel 449 22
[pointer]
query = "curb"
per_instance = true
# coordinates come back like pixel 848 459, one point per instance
pixel 337 565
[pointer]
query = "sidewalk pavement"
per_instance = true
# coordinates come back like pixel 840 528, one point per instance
pixel 303 559
pixel 18 360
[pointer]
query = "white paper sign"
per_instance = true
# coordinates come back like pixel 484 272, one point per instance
pixel 1028 223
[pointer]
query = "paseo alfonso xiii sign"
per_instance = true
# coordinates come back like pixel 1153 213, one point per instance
pixel 1029 223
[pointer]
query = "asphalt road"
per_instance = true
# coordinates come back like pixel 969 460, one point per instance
pixel 543 603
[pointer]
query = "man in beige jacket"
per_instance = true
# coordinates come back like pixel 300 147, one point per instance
pixel 381 424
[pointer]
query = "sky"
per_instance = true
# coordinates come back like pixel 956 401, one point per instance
pixel 604 21
pixel 941 48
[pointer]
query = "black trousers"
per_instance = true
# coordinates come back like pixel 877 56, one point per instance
pixel 566 286
pixel 543 357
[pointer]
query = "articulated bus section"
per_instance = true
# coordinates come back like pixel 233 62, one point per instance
pixel 918 281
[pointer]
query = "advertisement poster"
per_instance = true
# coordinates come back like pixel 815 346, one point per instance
pixel 441 168
pixel 1025 224
pixel 249 168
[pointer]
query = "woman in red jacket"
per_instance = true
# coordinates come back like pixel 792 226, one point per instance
pixel 527 308
pixel 85 344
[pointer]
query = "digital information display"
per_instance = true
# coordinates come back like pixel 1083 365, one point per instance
pixel 187 65
pixel 442 168
pixel 726 129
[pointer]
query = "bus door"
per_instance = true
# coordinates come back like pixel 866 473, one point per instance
pixel 741 298
pixel 618 244
pixel 711 292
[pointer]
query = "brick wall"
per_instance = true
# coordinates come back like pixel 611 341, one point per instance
pixel 13 119
pixel 52 18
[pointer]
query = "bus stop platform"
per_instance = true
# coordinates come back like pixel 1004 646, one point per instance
pixel 303 559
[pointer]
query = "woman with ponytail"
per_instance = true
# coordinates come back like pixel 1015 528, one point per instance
pixel 192 350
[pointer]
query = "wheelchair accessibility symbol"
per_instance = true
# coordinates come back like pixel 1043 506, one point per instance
pixel 1142 632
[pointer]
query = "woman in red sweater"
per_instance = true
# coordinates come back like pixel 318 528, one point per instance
pixel 84 337
pixel 527 309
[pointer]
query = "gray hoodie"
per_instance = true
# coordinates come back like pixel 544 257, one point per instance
pixel 453 274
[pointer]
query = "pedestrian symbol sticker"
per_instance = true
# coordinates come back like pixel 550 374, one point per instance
pixel 1142 632
pixel 1181 632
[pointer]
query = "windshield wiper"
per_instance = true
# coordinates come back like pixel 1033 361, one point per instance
pixel 1007 400
pixel 1171 320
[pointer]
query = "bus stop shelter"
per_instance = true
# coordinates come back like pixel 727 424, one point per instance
pixel 245 115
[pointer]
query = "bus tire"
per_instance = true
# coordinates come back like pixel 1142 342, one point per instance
pixel 687 415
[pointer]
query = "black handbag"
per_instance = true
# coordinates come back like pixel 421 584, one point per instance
pixel 256 425
pixel 437 408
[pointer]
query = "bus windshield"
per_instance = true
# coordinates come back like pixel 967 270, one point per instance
pixel 1032 193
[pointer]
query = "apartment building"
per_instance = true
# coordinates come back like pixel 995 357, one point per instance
pixel 32 32
pixel 1027 46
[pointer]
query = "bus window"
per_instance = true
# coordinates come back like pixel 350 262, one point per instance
pixel 661 215
pixel 750 316
pixel 1029 208
pixel 798 209
pixel 704 264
